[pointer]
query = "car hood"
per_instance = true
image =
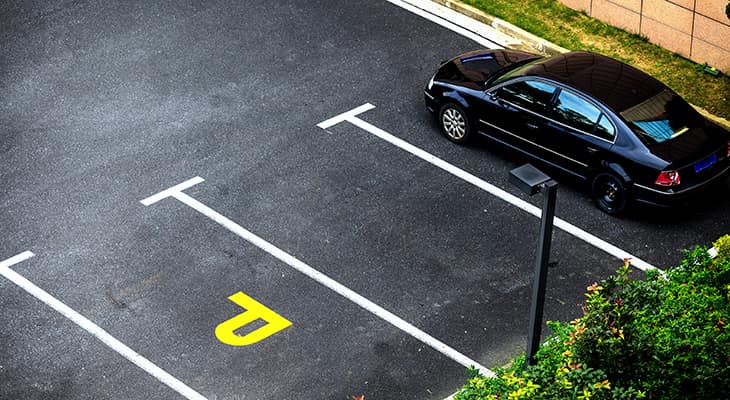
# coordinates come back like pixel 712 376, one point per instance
pixel 475 68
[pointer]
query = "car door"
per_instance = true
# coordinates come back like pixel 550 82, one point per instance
pixel 577 132
pixel 515 112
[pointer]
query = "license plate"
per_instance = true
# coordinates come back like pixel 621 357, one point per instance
pixel 706 163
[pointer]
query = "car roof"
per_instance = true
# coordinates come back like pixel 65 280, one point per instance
pixel 616 84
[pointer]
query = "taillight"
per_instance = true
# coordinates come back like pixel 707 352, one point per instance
pixel 668 178
pixel 728 148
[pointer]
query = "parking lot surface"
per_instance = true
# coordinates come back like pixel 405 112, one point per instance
pixel 387 267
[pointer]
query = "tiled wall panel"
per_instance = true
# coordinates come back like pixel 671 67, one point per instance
pixel 698 29
pixel 617 14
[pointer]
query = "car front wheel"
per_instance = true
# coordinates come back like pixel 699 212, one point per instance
pixel 610 194
pixel 454 123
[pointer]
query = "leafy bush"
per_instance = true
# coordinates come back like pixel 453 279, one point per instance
pixel 664 337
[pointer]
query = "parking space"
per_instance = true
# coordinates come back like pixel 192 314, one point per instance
pixel 51 357
pixel 309 261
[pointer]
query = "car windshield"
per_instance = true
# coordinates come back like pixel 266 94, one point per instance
pixel 502 75
pixel 661 117
pixel 510 71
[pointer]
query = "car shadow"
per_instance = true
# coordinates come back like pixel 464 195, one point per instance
pixel 712 203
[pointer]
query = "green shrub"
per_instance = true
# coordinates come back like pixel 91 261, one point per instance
pixel 663 337
pixel 666 335
pixel 722 246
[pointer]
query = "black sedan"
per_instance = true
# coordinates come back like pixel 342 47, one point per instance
pixel 625 133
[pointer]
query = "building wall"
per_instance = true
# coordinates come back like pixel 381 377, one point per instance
pixel 697 29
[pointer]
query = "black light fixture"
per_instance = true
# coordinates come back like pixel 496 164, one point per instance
pixel 531 180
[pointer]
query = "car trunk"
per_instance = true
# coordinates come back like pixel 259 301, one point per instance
pixel 698 154
pixel 675 132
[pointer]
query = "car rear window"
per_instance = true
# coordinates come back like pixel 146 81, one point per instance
pixel 661 117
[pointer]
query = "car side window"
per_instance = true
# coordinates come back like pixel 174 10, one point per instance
pixel 575 112
pixel 604 128
pixel 532 95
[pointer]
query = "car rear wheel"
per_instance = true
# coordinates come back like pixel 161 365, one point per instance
pixel 610 194
pixel 455 123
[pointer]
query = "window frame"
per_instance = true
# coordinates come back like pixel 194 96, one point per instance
pixel 551 107
pixel 493 93
pixel 589 102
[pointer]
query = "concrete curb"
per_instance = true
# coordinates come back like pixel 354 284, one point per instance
pixel 714 118
pixel 526 41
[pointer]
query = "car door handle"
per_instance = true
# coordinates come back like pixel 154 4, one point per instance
pixel 592 150
pixel 532 126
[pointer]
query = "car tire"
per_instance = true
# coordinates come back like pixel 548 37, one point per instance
pixel 610 193
pixel 455 123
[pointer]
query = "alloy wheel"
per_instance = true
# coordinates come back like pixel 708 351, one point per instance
pixel 454 123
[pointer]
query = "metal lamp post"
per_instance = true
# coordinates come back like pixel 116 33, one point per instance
pixel 531 180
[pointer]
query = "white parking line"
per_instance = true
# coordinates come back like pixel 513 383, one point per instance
pixel 351 117
pixel 452 20
pixel 305 269
pixel 40 294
